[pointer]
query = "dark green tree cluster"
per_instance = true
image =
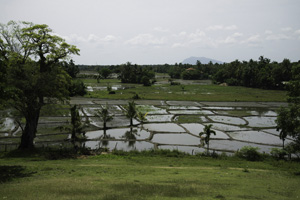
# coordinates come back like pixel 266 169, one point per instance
pixel 129 73
pixel 259 74
pixel 76 87
pixel 31 71
pixel 192 72
pixel 288 120
pixel 105 73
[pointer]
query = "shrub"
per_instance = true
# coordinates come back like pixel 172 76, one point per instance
pixel 77 87
pixel 136 96
pixel 278 153
pixel 249 153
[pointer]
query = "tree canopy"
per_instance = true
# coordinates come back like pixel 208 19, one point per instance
pixel 32 73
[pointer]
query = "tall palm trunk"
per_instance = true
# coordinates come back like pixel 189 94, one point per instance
pixel 131 121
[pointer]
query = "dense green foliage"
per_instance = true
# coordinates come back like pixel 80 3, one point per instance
pixel 30 61
pixel 259 74
pixel 288 120
pixel 135 74
pixel 104 73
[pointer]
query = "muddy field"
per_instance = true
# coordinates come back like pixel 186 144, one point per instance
pixel 169 125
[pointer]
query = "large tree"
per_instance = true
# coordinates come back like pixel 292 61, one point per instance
pixel 30 60
pixel 288 119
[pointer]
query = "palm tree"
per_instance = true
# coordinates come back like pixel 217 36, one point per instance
pixel 130 136
pixel 142 118
pixel 207 132
pixel 104 115
pixel 77 126
pixel 130 111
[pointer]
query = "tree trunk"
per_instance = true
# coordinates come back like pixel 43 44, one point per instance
pixel 131 121
pixel 208 148
pixel 30 129
pixel 104 125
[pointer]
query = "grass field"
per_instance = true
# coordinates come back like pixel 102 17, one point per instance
pixel 147 177
pixel 189 92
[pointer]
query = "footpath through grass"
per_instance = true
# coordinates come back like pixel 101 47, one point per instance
pixel 147 177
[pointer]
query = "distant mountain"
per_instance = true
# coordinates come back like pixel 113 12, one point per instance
pixel 203 60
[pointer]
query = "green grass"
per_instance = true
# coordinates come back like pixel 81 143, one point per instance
pixel 190 93
pixel 147 177
pixel 189 119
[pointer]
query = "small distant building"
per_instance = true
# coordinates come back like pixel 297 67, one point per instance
pixel 190 69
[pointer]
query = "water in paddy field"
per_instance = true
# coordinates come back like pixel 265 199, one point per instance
pixel 236 125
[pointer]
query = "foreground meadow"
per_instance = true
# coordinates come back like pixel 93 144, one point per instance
pixel 136 176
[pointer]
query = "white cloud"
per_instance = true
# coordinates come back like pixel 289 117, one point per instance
pixel 237 34
pixel 160 29
pixel 214 28
pixel 228 40
pixel 232 27
pixel 74 38
pixel 297 31
pixel 268 32
pixel 286 29
pixel 221 27
pixel 145 39
pixel 109 38
pixel 253 40
pixel 277 37
pixel 183 33
pixel 93 38
pixel 178 45
pixel 197 35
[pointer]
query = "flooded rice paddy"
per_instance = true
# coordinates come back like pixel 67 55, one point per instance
pixel 168 125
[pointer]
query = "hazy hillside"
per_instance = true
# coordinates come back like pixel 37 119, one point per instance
pixel 203 60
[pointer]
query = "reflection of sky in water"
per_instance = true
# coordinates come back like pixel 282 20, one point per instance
pixel 117 133
pixel 226 127
pixel 262 117
pixel 256 136
pixel 7 124
pixel 187 112
pixel 164 127
pixel 185 149
pixel 151 109
pixel 275 132
pixel 183 108
pixel 222 108
pixel 228 120
pixel 235 145
pixel 185 139
pixel 159 118
pixel 261 121
pixel 197 128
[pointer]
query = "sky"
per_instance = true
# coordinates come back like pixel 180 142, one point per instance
pixel 110 32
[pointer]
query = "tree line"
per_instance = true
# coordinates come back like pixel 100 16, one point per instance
pixel 258 74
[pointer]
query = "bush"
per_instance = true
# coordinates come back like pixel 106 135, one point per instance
pixel 249 153
pixel 278 153
pixel 77 87
pixel 136 96
pixel 146 81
